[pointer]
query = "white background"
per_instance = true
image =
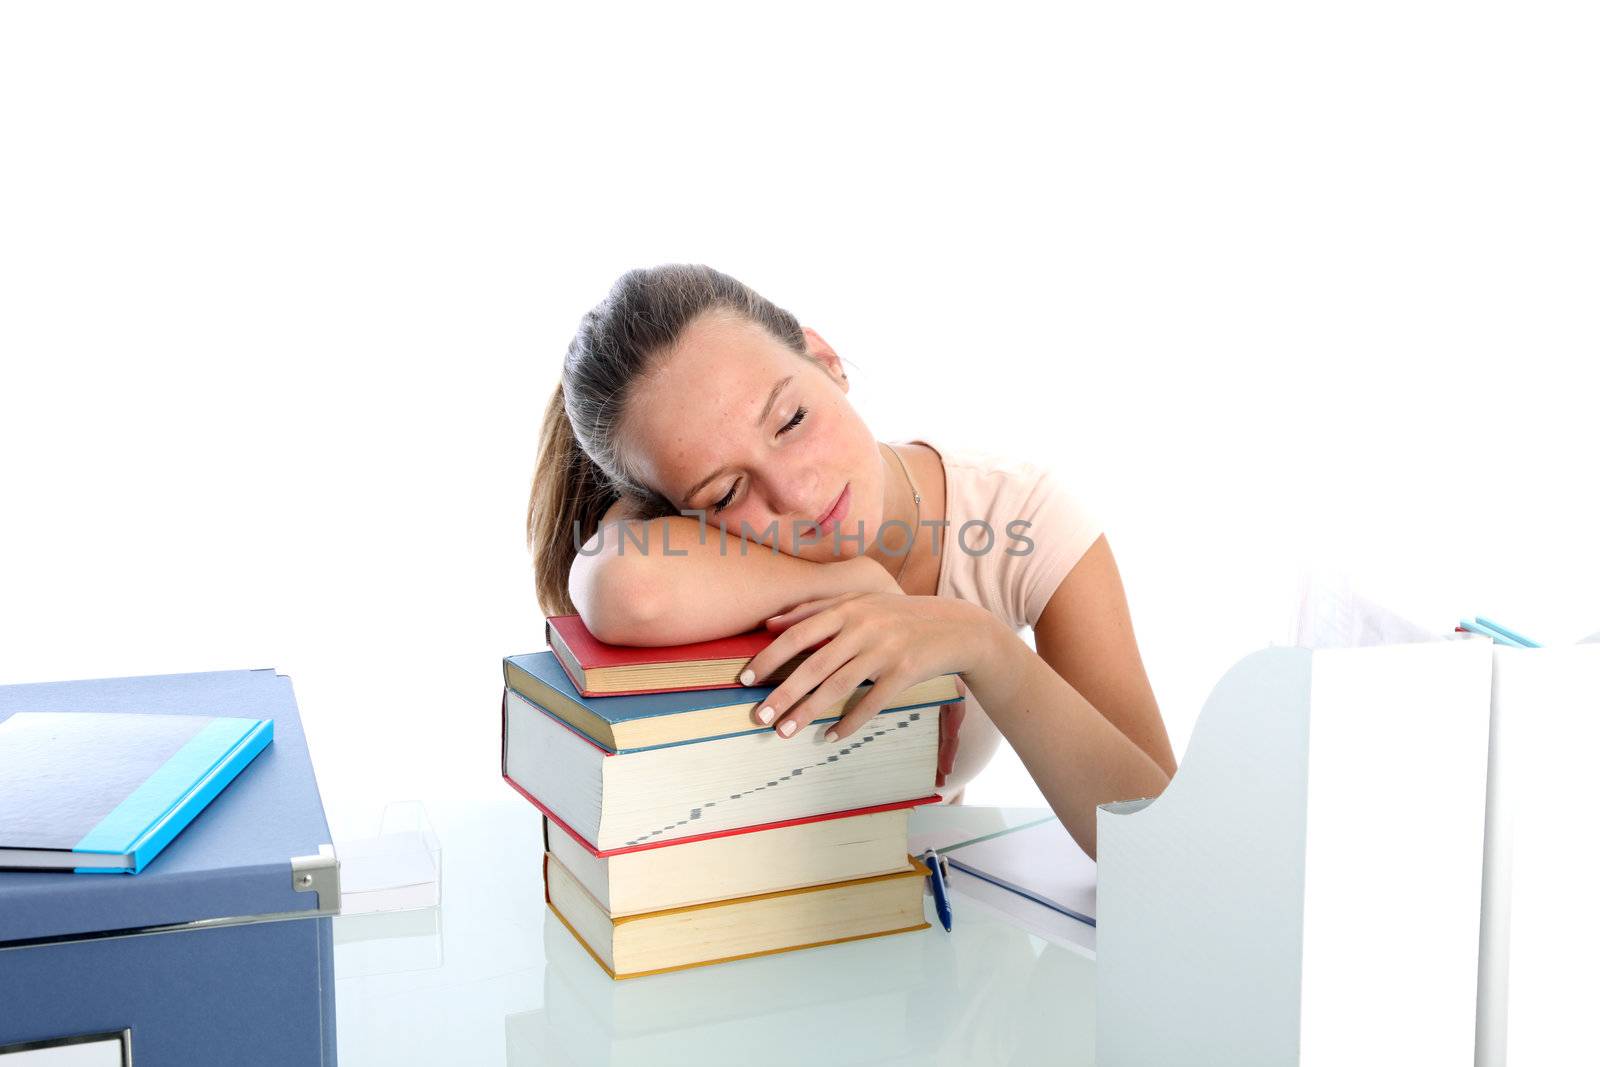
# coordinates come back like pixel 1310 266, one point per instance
pixel 284 289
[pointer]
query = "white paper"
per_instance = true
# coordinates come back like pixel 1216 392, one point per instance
pixel 1041 861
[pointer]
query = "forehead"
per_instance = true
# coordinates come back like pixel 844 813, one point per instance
pixel 702 401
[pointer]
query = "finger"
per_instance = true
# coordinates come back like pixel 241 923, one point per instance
pixel 837 688
pixel 811 672
pixel 884 689
pixel 785 619
pixel 786 646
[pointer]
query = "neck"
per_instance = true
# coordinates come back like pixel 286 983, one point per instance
pixel 899 506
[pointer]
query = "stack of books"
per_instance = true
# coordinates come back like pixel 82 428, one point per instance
pixel 678 831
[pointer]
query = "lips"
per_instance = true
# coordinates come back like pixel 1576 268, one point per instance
pixel 836 512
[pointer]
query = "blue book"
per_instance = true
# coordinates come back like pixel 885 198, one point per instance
pixel 654 720
pixel 104 792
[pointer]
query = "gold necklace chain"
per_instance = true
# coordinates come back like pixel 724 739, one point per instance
pixel 916 498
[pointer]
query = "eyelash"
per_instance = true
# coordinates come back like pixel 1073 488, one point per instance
pixel 799 417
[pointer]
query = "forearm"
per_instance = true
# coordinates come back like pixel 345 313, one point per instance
pixel 676 589
pixel 1078 758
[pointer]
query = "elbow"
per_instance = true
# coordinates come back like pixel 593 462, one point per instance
pixel 1165 769
pixel 616 601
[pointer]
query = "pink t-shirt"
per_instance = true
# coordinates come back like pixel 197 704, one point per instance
pixel 984 489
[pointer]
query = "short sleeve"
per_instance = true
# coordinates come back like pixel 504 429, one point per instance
pixel 1061 527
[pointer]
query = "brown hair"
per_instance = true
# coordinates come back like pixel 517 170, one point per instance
pixel 579 474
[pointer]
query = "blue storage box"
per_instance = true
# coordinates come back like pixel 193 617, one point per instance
pixel 218 952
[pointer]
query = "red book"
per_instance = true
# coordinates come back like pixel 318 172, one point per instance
pixel 599 669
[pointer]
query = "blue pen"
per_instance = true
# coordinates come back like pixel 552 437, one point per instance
pixel 941 899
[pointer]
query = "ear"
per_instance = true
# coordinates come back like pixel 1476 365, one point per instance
pixel 823 353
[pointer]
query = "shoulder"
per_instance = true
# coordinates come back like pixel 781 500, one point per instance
pixel 1038 527
pixel 975 463
pixel 984 480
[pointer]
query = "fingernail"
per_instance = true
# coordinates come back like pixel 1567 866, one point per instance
pixel 831 736
pixel 765 714
pixel 786 727
pixel 747 677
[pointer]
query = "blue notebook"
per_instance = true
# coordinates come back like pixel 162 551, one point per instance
pixel 104 792
pixel 654 720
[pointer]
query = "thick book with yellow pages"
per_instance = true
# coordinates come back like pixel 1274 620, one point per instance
pixel 835 847
pixel 720 931
pixel 620 800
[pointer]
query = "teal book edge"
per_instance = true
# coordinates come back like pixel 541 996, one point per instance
pixel 610 751
pixel 544 668
pixel 167 801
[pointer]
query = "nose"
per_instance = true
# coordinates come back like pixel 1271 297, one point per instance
pixel 796 493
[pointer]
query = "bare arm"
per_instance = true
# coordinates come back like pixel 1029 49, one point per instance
pixel 1086 633
pixel 1080 753
pixel 1076 756
pixel 680 590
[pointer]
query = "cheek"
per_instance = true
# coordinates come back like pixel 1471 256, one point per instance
pixel 754 517
pixel 837 434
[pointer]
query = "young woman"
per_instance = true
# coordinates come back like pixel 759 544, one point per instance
pixel 687 402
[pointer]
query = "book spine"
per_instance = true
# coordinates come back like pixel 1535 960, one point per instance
pixel 541 709
pixel 503 698
pixel 215 780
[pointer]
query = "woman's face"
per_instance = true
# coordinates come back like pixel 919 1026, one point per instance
pixel 734 423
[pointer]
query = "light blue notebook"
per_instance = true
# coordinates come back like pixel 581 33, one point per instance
pixel 104 792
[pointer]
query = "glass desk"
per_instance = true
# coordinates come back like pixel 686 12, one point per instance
pixel 492 977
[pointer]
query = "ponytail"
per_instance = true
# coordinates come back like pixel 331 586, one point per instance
pixel 569 496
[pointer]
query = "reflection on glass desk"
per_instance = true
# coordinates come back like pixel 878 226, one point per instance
pixel 492 977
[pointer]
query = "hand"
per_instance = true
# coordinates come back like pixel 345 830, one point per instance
pixel 874 578
pixel 950 716
pixel 893 640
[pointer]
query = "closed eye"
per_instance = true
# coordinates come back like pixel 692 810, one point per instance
pixel 799 417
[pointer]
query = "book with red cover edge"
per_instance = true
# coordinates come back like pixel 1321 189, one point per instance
pixel 932 798
pixel 602 854
pixel 592 653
